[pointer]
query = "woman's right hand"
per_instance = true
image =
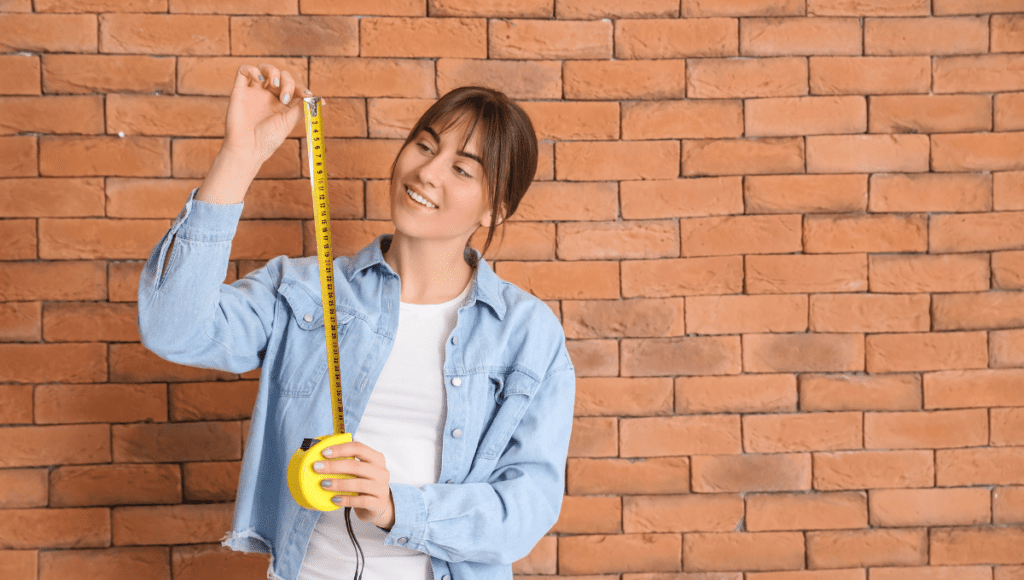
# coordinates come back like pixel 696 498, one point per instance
pixel 262 111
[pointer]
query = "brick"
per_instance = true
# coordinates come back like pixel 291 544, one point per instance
pixel 1008 505
pixel 689 119
pixel 743 156
pixel 1007 426
pixel 1009 112
pixel 212 402
pixel 805 193
pixel 619 553
pixel 873 469
pixel 745 473
pixel 102 403
pixel 714 78
pixel 101 6
pixel 617 240
pixel 865 233
pixel 871 153
pixel 73 363
pixel 18 240
pixel 943 7
pixel 682 513
pixel 564 280
pixel 932 573
pixel 703 8
pixel 744 551
pixel 102 485
pixel 802 432
pixel 1009 572
pixel 545 161
pixel 233 7
pixel 21 321
pixel 594 437
pixel 134 363
pixel 22 488
pixel 925 36
pixel 55 445
pixel 868 8
pixel 658 475
pixel 973 388
pixel 672 38
pixel 174 442
pixel 567 201
pixel 929 273
pixel 976 232
pixel 212 75
pixel 85 322
pixel 294 36
pixel 78 239
pixel 931 192
pixel 746 314
pixel 740 235
pixel 166 115
pixel 17 404
pixel 688 356
pixel 848 574
pixel 926 430
pixel 24 72
pixel 82 115
pixel 140 563
pixel 589 515
pixel 360 158
pixel 1008 190
pixel 19 564
pixel 616 160
pixel 931 351
pixel 801 511
pixel 983 466
pixel 869 75
pixel 124 281
pixel 213 561
pixel 978 74
pixel 372 77
pixel 625 79
pixel 863 548
pixel 422 37
pixel 48 33
pixel 88 73
pixel 193 158
pixel 512 241
pixel 981 545
pixel 690 197
pixel 800 36
pixel 806 273
pixel 148 198
pixel 930 114
pixel 104 156
pixel 19 156
pixel 77 280
pixel 739 394
pixel 976 151
pixel 1006 33
pixel 791 116
pixel 870 313
pixel 55 528
pixel 615 396
pixel 393 118
pixel 686 276
pixel 549 39
pixel 578 9
pixel 213 481
pixel 175 524
pixel 674 436
pixel 617 318
pixel 366 7
pixel 348 237
pixel 1006 348
pixel 860 392
pixel 573 121
pixel 179 34
pixel 982 310
pixel 929 507
pixel 518 79
pixel 595 358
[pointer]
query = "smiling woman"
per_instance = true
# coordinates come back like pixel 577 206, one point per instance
pixel 457 386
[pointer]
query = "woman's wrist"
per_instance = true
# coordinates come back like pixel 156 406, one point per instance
pixel 229 177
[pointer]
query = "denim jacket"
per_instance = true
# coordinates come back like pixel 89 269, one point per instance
pixel 508 379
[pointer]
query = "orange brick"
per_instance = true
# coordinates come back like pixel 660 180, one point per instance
pixel 687 276
pixel 175 524
pixel 745 473
pixel 931 351
pixel 986 73
pixel 982 310
pixel 55 528
pixel 24 72
pixel 1006 348
pixel 564 280
pixel 102 403
pixel 562 201
pixel 232 7
pixel 176 442
pixel 1008 505
pixel 18 240
pixel 865 233
pixel 929 507
pixel 703 8
pixel 714 78
pixel 926 430
pixel 423 37
pixel 805 193
pixel 104 156
pixel 166 115
pixel 983 466
pixel 360 158
pixel 618 240
pixel 213 75
pixel 594 358
pixel 84 322
pixel 179 34
pixel 141 563
pixel 625 79
pixel 806 273
pixel 860 392
pixel 17 403
pixel 873 469
pixel 977 388
pixel 869 75
pixel 149 198
pixel 589 515
pixel 213 481
pixel 981 545
pixel 619 553
pixel 848 574
pixel 193 158
pixel 744 551
pixel 570 121
pixel 294 36
pixel 617 396
pixel 19 564
pixel 740 394
pixel 549 39
pixel 1007 426
pixel 788 116
pixel 23 488
pixel 689 356
pixel 1006 33
pixel 367 7
pixel 372 77
pixel 200 562
pixel 672 38
pixel 931 192
pixel 682 513
pixel 82 115
pixel 690 119
pixel 1009 112
pixel 930 114
pixel 740 235
pixel 393 118
pixel 658 475
pixel 870 313
pixel 746 314
pixel 616 160
pixel 932 573
pixel 976 232
pixel 802 511
pixel 48 32
pixel 276 199
pixel 976 151
pixel 800 36
pixel 492 8
pixel 124 281
pixel 1009 572
pixel 974 6
pixel 929 273
pixel 101 485
pixel 871 153
pixel 100 6
pixel 614 318
pixel 868 8
pixel 19 156
pixel 69 362
pixel 690 197
pixel 21 321
pixel 863 548
pixel 925 36
pixel 77 239
pixel 802 432
pixel 672 436
pixel 535 79
pixel 743 156
pixel 212 402
pixel 542 559
pixel 594 437
pixel 86 73
pixel 76 280
pixel 584 9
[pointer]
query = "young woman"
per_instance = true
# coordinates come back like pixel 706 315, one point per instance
pixel 457 386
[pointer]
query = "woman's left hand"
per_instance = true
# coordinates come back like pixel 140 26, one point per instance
pixel 374 503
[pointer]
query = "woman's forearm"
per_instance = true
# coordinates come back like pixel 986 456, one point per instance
pixel 229 178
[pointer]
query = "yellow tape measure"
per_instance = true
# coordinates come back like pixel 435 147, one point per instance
pixel 303 482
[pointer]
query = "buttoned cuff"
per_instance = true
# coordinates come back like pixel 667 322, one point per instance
pixel 207 222
pixel 410 517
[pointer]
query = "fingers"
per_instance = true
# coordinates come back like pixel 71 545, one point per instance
pixel 355 449
pixel 248 75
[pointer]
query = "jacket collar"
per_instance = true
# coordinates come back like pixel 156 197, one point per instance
pixel 486 284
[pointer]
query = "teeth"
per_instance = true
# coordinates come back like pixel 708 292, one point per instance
pixel 419 198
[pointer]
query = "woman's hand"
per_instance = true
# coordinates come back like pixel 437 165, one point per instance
pixel 374 503
pixel 262 111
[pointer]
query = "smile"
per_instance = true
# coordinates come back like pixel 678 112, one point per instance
pixel 419 198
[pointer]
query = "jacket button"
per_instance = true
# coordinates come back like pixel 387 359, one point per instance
pixel 457 433
pixel 403 540
pixel 446 577
pixel 455 340
pixel 457 381
pixel 308 318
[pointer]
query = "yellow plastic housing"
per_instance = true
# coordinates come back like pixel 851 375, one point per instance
pixel 304 483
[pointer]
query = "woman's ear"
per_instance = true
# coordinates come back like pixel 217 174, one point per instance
pixel 486 221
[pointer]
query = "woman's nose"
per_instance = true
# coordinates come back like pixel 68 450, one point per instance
pixel 429 172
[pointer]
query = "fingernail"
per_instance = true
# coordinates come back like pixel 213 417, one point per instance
pixel 286 98
pixel 318 466
pixel 309 92
pixel 336 499
pixel 325 483
pixel 261 78
pixel 328 452
pixel 277 82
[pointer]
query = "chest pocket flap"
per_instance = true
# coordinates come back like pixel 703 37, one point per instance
pixel 512 395
pixel 298 373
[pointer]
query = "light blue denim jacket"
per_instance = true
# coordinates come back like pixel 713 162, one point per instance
pixel 502 473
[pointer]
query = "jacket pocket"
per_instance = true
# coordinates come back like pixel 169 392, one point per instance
pixel 302 361
pixel 512 395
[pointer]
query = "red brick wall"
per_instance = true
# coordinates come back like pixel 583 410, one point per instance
pixel 785 237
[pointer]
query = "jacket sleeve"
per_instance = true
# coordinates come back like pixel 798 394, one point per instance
pixel 186 314
pixel 500 521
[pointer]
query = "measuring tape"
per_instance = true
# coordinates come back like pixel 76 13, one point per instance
pixel 303 482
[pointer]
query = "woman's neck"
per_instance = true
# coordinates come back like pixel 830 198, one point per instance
pixel 431 272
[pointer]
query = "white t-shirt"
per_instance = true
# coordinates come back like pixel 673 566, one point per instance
pixel 404 418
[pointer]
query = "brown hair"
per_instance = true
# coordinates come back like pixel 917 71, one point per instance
pixel 508 140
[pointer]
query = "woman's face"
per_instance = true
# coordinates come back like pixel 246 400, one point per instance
pixel 438 188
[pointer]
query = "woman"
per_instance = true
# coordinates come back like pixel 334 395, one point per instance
pixel 457 386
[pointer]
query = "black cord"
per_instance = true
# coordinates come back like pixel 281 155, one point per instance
pixel 355 542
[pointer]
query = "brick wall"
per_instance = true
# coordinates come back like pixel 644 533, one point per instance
pixel 785 237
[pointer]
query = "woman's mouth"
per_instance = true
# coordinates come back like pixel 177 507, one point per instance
pixel 419 198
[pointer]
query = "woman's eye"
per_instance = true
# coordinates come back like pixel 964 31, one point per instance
pixel 423 147
pixel 462 171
